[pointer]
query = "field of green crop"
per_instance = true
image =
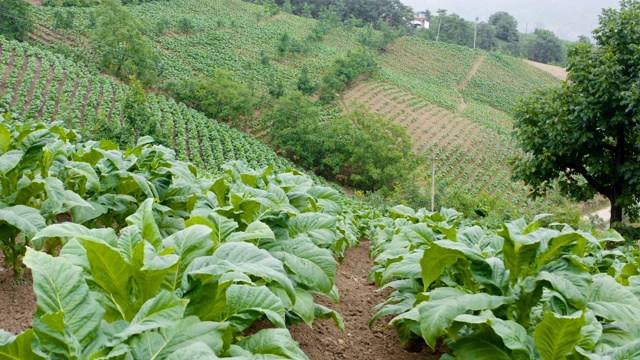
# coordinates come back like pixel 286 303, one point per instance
pixel 502 80
pixel 419 67
pixel 41 85
pixel 228 34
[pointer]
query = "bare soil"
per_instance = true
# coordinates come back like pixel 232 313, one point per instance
pixel 17 300
pixel 357 298
pixel 556 71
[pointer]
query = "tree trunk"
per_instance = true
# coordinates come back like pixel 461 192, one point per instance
pixel 616 214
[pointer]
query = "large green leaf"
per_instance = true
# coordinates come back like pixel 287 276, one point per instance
pixel 195 351
pixel 255 231
pixel 221 226
pixel 514 336
pixel 150 269
pixel 408 268
pixel 113 274
pixel 437 315
pixel 481 346
pixel 240 257
pixel 26 219
pixel 84 170
pixel 70 230
pixel 519 250
pixel 245 304
pixel 307 264
pixel 434 262
pixel 612 301
pixel 556 336
pixel 17 347
pixel 180 334
pixel 159 312
pixel 5 139
pixel 554 248
pixel 272 343
pixel 60 288
pixel 144 219
pixel 9 160
pixel 189 244
pixel 320 228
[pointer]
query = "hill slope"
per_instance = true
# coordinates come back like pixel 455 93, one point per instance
pixel 38 84
pixel 455 102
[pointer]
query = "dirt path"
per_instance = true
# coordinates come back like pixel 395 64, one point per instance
pixel 357 298
pixel 557 71
pixel 465 81
pixel 604 214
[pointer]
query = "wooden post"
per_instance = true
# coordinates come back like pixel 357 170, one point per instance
pixel 475 32
pixel 433 181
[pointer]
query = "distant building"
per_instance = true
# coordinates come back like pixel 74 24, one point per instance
pixel 421 21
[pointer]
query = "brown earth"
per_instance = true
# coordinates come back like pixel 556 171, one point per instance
pixel 322 342
pixel 556 71
pixel 17 300
pixel 357 297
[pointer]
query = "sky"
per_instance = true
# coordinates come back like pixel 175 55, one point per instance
pixel 568 19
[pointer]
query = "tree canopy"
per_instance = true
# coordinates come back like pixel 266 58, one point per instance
pixel 506 26
pixel 586 133
pixel 121 46
pixel 15 19
pixel 545 47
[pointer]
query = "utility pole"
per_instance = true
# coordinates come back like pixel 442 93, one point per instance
pixel 475 33
pixel 433 180
pixel 439 23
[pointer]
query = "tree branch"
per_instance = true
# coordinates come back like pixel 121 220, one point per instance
pixel 593 182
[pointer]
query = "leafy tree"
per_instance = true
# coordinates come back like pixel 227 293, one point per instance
pixel 15 19
pixel 286 7
pixel 545 47
pixel 585 134
pixel 453 29
pixel 486 37
pixel 506 26
pixel 377 152
pixel 584 39
pixel 305 84
pixel 138 115
pixel 185 25
pixel 63 20
pixel 219 97
pixel 162 26
pixel 294 129
pixel 122 48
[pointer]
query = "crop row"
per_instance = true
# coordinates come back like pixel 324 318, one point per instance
pixel 66 92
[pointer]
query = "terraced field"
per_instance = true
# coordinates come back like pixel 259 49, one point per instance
pixel 471 156
pixel 38 84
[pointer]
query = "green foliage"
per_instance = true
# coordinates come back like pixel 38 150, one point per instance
pixel 162 26
pixel 64 20
pixel 185 25
pixel 347 69
pixel 219 97
pixel 588 124
pixel 506 26
pixel 123 49
pixel 545 47
pixel 15 19
pixel 213 144
pixel 360 149
pixel 188 261
pixel 521 292
pixel 305 84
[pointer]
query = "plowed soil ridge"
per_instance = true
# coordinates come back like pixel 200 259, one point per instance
pixel 357 298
